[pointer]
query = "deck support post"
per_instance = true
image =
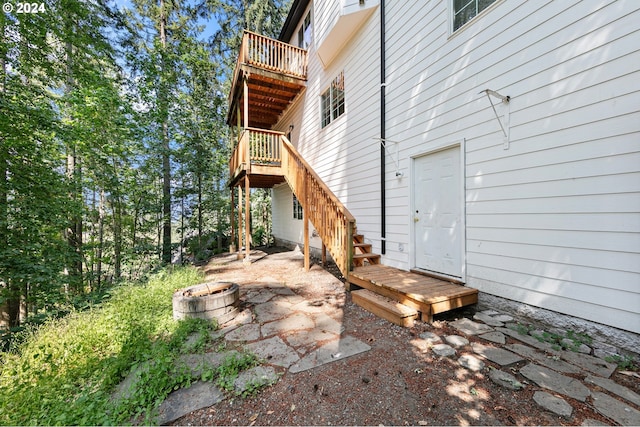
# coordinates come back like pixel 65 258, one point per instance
pixel 324 255
pixel 247 217
pixel 307 261
pixel 233 221
pixel 239 221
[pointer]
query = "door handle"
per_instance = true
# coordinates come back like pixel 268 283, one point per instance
pixel 416 218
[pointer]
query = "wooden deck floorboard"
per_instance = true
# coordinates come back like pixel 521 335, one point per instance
pixel 428 294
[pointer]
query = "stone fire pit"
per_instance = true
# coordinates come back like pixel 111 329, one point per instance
pixel 212 300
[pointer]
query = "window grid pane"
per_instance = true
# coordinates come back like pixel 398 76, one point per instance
pixel 332 103
pixel 465 10
pixel 325 109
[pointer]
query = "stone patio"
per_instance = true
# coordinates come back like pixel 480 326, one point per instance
pixel 292 333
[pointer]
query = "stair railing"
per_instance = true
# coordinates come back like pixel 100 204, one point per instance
pixel 331 219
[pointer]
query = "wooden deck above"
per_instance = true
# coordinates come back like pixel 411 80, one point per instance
pixel 269 75
pixel 426 294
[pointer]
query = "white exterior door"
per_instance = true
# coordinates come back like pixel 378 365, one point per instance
pixel 437 212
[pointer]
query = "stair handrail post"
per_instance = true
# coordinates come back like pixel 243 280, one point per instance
pixel 247 149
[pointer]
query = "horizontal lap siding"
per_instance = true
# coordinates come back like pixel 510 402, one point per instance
pixel 344 153
pixel 284 225
pixel 554 221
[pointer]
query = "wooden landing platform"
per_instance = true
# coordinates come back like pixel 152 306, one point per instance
pixel 426 294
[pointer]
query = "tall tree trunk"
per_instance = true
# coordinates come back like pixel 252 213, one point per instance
pixel 166 159
pixel 117 228
pixel 200 221
pixel 117 237
pixel 74 232
pixel 10 308
pixel 99 251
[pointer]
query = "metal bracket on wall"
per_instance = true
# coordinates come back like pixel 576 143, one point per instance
pixel 504 126
pixel 396 161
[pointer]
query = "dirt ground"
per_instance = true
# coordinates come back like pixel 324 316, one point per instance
pixel 395 383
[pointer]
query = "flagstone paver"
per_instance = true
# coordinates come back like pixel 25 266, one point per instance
pixel 505 379
pixel 543 359
pixel 200 395
pixel 552 403
pixel 456 341
pixel 274 351
pixel 295 322
pixel 443 350
pixel 330 352
pixel 614 388
pixel 198 362
pixel 259 375
pixel 554 381
pixel 303 339
pixel 430 337
pixel 497 355
pixel 489 320
pixel 618 411
pixel 471 362
pixel 589 363
pixel 469 327
pixel 272 310
pixel 327 323
pixel 250 332
pixel 495 337
pixel 259 296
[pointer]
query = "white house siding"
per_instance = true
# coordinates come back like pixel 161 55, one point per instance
pixel 343 154
pixel 285 227
pixel 554 220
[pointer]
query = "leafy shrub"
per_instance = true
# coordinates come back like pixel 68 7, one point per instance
pixel 64 372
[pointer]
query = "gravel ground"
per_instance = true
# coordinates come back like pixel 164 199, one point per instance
pixel 397 382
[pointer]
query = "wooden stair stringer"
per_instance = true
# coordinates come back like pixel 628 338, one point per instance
pixel 362 252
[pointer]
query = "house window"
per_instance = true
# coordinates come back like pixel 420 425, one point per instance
pixel 465 10
pixel 297 208
pixel 305 32
pixel 332 101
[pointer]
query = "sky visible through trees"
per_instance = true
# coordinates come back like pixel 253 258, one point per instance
pixel 113 142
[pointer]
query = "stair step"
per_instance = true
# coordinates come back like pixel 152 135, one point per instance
pixel 360 259
pixel 365 247
pixel 358 238
pixel 367 255
pixel 384 307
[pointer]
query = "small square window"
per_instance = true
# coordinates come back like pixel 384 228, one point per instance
pixel 297 208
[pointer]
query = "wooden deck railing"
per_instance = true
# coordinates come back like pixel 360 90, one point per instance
pixel 262 147
pixel 273 55
pixel 333 222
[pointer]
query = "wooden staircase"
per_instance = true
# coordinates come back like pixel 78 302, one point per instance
pixel 362 252
pixel 269 75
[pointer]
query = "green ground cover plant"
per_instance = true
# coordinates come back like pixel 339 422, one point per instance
pixel 569 340
pixel 65 371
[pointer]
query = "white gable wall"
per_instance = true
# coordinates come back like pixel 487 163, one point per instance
pixel 343 154
pixel 554 220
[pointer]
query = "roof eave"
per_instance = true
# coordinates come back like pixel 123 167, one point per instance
pixel 293 18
